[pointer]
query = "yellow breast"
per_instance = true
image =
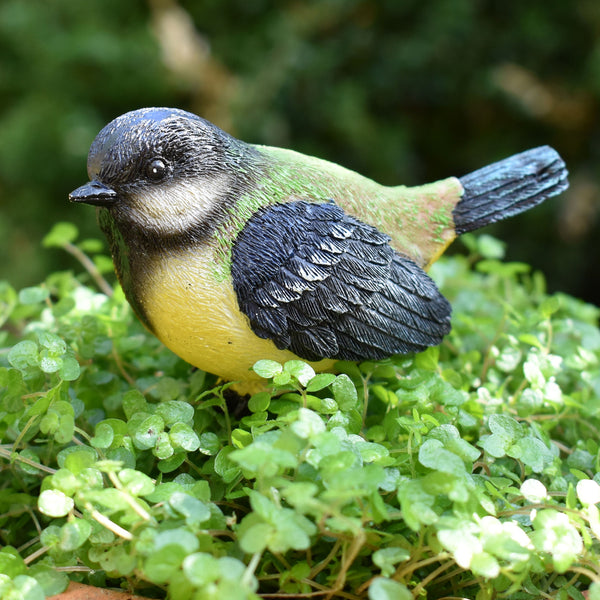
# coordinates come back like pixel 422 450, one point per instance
pixel 196 315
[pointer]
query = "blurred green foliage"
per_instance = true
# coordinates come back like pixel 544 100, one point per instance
pixel 402 91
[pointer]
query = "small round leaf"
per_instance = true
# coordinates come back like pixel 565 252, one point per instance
pixel 55 503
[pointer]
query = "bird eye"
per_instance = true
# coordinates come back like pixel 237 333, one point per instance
pixel 156 169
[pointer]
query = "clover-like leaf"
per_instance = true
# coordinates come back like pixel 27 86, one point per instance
pixel 55 503
pixel 383 588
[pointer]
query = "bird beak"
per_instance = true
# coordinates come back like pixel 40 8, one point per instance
pixel 95 193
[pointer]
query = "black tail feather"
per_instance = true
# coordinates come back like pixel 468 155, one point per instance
pixel 508 187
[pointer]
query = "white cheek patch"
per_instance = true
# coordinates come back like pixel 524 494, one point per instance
pixel 176 207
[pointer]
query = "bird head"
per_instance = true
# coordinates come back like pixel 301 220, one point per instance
pixel 160 169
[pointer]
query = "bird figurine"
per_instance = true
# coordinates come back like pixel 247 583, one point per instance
pixel 231 252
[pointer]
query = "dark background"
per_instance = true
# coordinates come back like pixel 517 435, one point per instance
pixel 403 91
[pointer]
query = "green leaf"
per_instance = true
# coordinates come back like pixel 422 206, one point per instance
pixel 555 535
pixel 344 392
pixel 55 345
pixel 320 381
pixel 33 295
pixel 49 423
pixel 281 529
pixel 301 494
pixel 91 245
pixel 324 406
pixel 166 390
pixel 52 582
pixel 302 371
pixel 308 424
pixel 263 506
pixel 224 466
pixel 571 498
pixel 50 364
pixel 59 421
pixel 351 421
pixel 50 536
pixel 134 402
pixel 256 538
pixel 506 270
pixel 11 563
pixel 62 233
pixel 433 455
pixel 267 368
pixel 387 589
pixel 233 569
pixel 293 532
pixel 163 448
pixel 259 402
pixel 532 452
pixel 372 452
pixel 136 483
pixel 534 490
pixel 263 457
pixel 241 438
pixel 417 504
pixel 183 436
pixel 449 435
pixel 24 355
pixel 549 306
pixel 103 263
pixel 30 469
pixel 201 568
pixel 387 558
pixel 594 591
pixel 531 340
pixel 505 432
pixel 172 463
pixel 588 491
pixel 194 511
pixel 164 563
pixel 66 482
pixel 509 359
pixel 27 588
pixel 69 369
pixel 282 379
pixel 485 565
pixel 8 300
pixel 77 458
pixel 209 444
pixel 110 498
pixel 429 359
pixel 74 534
pixel 13 389
pixel 179 537
pixel 104 436
pixel 490 247
pixel 54 503
pixel 146 434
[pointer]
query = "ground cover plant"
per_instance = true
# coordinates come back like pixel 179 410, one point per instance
pixel 467 471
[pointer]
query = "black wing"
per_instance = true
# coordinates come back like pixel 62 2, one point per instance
pixel 325 285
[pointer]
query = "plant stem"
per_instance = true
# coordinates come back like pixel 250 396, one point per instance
pixel 106 522
pixel 249 572
pixel 39 552
pixel 90 267
pixel 10 455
